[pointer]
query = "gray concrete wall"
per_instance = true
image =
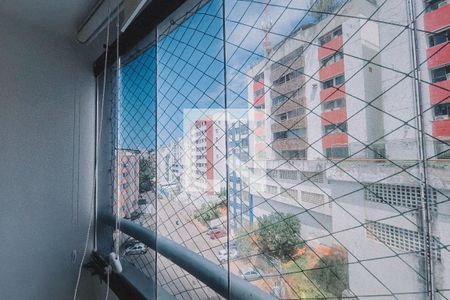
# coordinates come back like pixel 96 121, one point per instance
pixel 47 117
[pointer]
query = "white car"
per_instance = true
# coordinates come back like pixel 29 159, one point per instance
pixel 135 249
pixel 223 254
pixel 251 274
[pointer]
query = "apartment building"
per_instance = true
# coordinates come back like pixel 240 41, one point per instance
pixel 344 105
pixel 128 181
pixel 204 157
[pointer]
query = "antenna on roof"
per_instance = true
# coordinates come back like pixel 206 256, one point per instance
pixel 266 25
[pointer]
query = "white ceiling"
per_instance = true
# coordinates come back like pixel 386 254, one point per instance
pixel 61 17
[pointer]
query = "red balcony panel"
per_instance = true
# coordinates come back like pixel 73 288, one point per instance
pixel 258 85
pixel 437 19
pixel 335 116
pixel 260 131
pixel 332 70
pixel 334 140
pixel 330 47
pixel 332 93
pixel 260 147
pixel 259 115
pixel 258 100
pixel 438 55
pixel 441 128
pixel 440 92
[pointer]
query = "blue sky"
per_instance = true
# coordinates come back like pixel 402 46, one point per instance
pixel 189 62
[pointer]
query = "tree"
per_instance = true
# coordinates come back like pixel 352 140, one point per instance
pixel 245 242
pixel 321 8
pixel 331 273
pixel 147 173
pixel 278 235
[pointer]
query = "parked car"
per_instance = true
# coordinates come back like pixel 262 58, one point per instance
pixel 251 274
pixel 233 245
pixel 128 243
pixel 212 228
pixel 217 233
pixel 136 249
pixel 223 254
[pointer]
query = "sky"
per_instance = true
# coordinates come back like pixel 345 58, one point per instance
pixel 189 62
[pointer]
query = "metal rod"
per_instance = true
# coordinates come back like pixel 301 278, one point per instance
pixel 422 156
pixel 209 273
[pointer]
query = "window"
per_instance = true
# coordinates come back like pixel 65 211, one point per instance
pixel 442 149
pixel 293 154
pixel 289 134
pixel 331 35
pixel 337 152
pixel 439 38
pixel 333 82
pixel 331 105
pixel 259 77
pixel 280 135
pixel 289 115
pixel 435 4
pixel 286 60
pixel 442 111
pixel 259 93
pixel 332 59
pixel 440 74
pixel 288 77
pixel 335 128
pixel 279 100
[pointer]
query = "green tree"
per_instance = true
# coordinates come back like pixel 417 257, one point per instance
pixel 245 242
pixel 331 273
pixel 147 173
pixel 278 235
pixel 320 9
pixel 207 213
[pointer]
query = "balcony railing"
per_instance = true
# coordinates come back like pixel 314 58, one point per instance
pixel 218 279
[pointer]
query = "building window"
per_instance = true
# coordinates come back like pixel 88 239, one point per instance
pixel 435 4
pixel 335 128
pixel 289 115
pixel 442 149
pixel 317 199
pixel 397 195
pixel 333 82
pixel 332 59
pixel 337 152
pixel 332 105
pixel 331 35
pixel 401 238
pixel 285 61
pixel 259 93
pixel 439 38
pixel 442 111
pixel 440 74
pixel 293 154
pixel 290 134
pixel 288 77
pixel 259 77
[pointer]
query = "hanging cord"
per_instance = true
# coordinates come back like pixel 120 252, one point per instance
pixel 91 212
pixel 118 208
